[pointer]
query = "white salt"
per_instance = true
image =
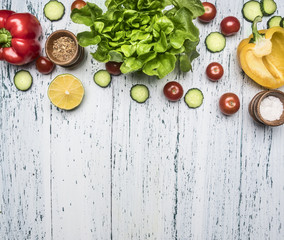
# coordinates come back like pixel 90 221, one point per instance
pixel 271 108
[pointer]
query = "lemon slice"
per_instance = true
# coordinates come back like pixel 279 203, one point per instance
pixel 66 91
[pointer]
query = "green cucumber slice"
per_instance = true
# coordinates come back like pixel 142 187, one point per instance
pixel 251 10
pixel 102 78
pixel 268 7
pixel 23 80
pixel 139 93
pixel 54 10
pixel 274 22
pixel 194 98
pixel 215 42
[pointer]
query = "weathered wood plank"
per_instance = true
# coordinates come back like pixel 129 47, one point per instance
pixel 81 157
pixel 208 172
pixel 144 143
pixel 261 187
pixel 25 201
pixel 81 162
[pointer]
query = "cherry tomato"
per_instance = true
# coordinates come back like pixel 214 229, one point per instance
pixel 78 4
pixel 230 26
pixel 210 12
pixel 214 71
pixel 173 91
pixel 113 68
pixel 44 65
pixel 229 103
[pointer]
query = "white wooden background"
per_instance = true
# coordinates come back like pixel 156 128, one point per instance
pixel 114 169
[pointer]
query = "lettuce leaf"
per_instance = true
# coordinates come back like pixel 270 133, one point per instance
pixel 193 6
pixel 161 65
pixel 86 15
pixel 183 29
pixel 142 34
pixel 186 60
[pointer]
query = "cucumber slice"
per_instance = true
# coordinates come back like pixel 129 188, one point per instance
pixel 274 22
pixel 215 42
pixel 268 7
pixel 251 10
pixel 282 23
pixel 102 78
pixel 194 98
pixel 23 80
pixel 139 93
pixel 54 10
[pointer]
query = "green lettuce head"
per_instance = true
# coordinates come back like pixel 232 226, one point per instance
pixel 142 34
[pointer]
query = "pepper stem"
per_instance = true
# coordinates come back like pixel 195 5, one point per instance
pixel 256 35
pixel 5 38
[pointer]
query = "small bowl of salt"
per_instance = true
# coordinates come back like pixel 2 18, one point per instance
pixel 269 109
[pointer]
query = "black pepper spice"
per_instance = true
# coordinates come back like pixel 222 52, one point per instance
pixel 64 48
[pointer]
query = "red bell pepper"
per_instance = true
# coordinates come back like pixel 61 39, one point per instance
pixel 19 33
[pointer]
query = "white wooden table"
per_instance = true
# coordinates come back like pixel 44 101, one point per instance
pixel 114 169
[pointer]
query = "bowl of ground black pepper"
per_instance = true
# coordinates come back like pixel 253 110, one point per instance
pixel 62 49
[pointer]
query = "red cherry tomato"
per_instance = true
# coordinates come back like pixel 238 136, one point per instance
pixel 230 26
pixel 44 65
pixel 214 71
pixel 113 68
pixel 210 12
pixel 173 91
pixel 78 4
pixel 229 103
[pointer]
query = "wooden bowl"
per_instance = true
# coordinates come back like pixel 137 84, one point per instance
pixel 74 60
pixel 252 106
pixel 275 93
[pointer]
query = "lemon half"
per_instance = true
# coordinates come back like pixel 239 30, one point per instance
pixel 66 91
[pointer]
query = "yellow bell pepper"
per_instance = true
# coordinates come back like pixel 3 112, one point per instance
pixel 261 56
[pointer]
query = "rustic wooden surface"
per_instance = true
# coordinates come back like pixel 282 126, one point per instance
pixel 114 169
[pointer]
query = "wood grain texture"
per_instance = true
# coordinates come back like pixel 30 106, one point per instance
pixel 115 169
